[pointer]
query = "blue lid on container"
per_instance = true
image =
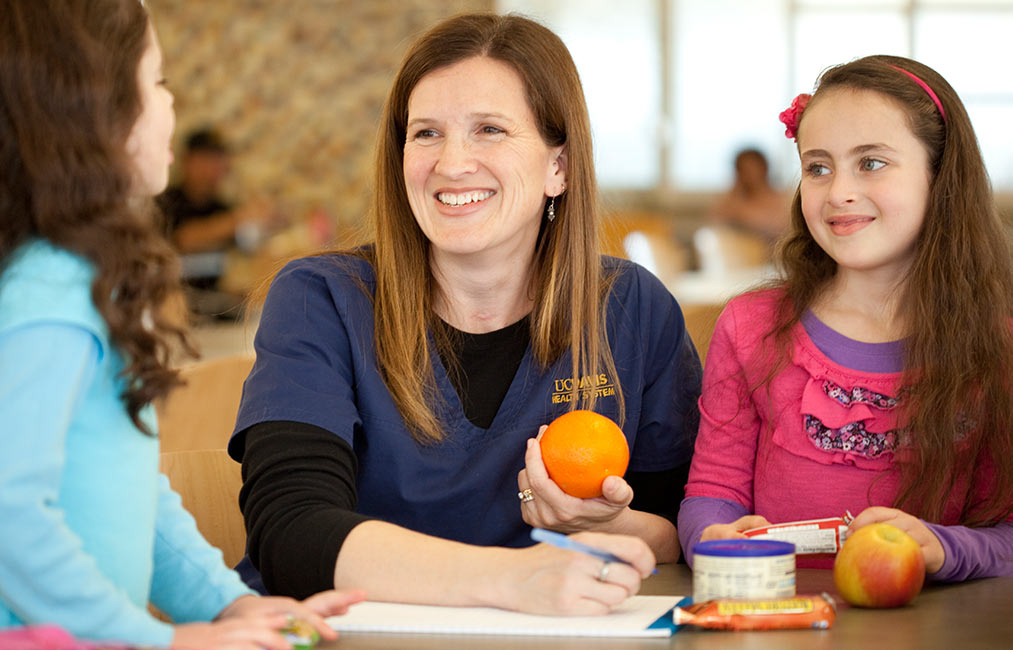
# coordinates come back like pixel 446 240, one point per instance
pixel 743 548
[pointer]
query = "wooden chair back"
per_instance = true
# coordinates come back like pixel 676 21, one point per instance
pixel 616 226
pixel 208 482
pixel 201 414
pixel 700 320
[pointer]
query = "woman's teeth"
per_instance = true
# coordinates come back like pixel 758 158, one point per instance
pixel 447 198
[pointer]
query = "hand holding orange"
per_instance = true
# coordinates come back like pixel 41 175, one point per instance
pixel 580 449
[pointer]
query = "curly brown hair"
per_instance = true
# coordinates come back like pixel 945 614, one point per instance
pixel 957 299
pixel 68 99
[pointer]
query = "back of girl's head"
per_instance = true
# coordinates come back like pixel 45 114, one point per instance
pixel 69 98
pixel 956 301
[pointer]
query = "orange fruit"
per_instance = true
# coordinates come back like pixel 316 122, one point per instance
pixel 580 449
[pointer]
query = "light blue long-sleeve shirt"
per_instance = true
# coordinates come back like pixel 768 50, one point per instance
pixel 89 530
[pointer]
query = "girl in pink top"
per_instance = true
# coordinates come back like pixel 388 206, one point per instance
pixel 875 376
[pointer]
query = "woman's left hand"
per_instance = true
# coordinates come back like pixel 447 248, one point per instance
pixel 932 550
pixel 556 510
pixel 313 610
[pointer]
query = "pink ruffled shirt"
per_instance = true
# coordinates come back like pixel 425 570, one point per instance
pixel 820 442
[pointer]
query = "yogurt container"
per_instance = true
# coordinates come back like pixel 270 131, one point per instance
pixel 743 568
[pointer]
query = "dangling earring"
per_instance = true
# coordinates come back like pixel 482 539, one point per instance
pixel 552 209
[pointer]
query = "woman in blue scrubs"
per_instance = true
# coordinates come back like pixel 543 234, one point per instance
pixel 386 428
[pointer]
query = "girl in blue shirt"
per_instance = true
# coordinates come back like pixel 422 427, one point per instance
pixel 92 533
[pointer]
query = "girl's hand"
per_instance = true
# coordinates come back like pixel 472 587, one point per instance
pixel 734 529
pixel 313 610
pixel 556 510
pixel 237 633
pixel 544 579
pixel 932 549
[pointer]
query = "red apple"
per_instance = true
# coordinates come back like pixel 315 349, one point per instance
pixel 879 566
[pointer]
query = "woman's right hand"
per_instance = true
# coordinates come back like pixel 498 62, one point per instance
pixel 544 579
pixel 556 510
pixel 238 633
pixel 734 529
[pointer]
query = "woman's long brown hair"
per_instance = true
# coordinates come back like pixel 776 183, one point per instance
pixel 68 99
pixel 569 286
pixel 957 302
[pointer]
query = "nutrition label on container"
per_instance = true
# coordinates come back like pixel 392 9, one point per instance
pixel 809 537
pixel 743 568
pixel 722 577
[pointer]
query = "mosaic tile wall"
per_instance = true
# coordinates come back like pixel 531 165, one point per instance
pixel 295 86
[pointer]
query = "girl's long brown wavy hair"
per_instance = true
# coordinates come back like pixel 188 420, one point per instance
pixel 957 301
pixel 569 285
pixel 68 99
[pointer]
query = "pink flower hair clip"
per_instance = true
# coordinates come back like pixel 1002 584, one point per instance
pixel 791 115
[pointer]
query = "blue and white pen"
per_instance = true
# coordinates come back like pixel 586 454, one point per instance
pixel 562 541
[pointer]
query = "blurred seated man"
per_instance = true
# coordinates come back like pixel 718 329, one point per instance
pixel 202 225
pixel 198 219
pixel 752 204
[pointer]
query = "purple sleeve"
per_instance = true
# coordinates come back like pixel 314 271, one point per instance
pixel 972 552
pixel 696 513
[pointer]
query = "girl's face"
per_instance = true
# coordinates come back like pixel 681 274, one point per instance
pixel 865 180
pixel 149 144
pixel 477 171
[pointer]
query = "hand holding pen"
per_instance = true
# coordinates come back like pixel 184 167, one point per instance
pixel 581 583
pixel 562 541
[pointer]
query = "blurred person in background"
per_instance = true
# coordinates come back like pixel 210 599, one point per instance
pixel 752 204
pixel 203 225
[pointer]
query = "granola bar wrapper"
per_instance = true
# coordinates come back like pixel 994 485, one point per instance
pixel 798 612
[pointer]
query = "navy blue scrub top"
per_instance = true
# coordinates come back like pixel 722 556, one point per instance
pixel 316 364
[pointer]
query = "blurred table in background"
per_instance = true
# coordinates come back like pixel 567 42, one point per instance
pixel 712 265
pixel 708 288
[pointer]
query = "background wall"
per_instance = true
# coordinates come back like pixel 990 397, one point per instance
pixel 296 87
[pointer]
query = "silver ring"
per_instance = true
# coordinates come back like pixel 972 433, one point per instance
pixel 526 495
pixel 604 573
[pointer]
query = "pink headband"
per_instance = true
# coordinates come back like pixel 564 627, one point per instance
pixel 793 114
pixel 926 88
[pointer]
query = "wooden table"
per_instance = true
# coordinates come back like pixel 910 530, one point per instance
pixel 968 616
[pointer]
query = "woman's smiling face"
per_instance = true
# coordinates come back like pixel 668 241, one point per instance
pixel 476 169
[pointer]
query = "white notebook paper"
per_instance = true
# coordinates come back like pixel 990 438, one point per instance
pixel 634 618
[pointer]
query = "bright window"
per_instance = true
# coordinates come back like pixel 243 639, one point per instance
pixel 723 96
pixel 617 49
pixel 676 87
